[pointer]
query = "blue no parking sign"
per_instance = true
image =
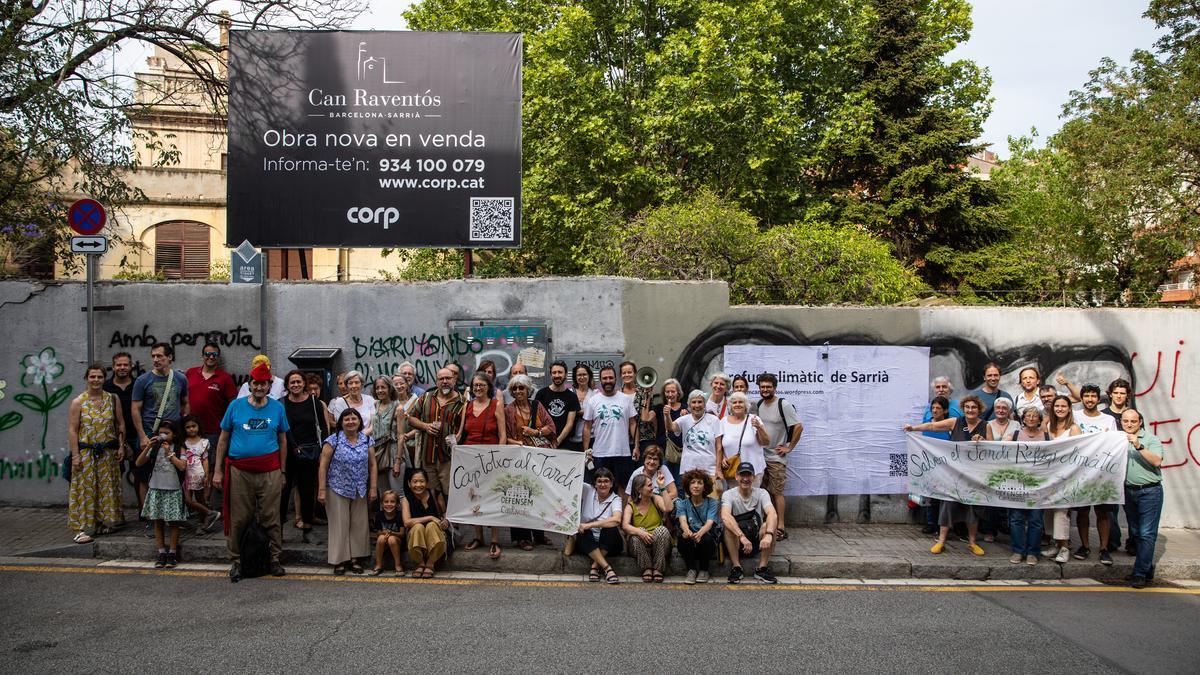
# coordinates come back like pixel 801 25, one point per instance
pixel 87 216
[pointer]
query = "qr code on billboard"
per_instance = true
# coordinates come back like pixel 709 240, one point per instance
pixel 898 464
pixel 491 218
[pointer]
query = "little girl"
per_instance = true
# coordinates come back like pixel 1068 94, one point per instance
pixel 164 499
pixel 390 526
pixel 195 452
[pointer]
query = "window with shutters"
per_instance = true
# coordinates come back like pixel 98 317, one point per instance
pixel 285 263
pixel 181 249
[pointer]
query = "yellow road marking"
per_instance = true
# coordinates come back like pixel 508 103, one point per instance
pixel 52 569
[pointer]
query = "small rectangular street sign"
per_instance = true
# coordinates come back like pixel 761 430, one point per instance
pixel 93 245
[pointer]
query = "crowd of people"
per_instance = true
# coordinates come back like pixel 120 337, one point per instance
pixel 703 474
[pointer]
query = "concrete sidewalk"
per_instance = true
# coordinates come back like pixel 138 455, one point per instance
pixel 817 552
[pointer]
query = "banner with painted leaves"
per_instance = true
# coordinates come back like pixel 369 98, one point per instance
pixel 1064 473
pixel 516 486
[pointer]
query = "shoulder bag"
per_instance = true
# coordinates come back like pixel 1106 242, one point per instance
pixel 730 473
pixel 308 452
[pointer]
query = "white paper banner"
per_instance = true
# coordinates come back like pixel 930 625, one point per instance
pixel 1069 472
pixel 853 402
pixel 516 486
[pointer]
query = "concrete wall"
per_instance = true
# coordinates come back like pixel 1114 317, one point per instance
pixel 679 328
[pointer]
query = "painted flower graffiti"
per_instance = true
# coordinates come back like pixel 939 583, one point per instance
pixel 11 418
pixel 40 370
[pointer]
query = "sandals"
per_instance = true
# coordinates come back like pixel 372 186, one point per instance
pixel 299 524
pixel 473 544
pixel 780 535
pixel 356 567
pixel 610 577
pixel 647 577
pixel 104 529
pixel 594 574
pixel 658 577
pixel 83 538
pixel 525 545
pixel 494 551
pixel 339 570
pixel 377 571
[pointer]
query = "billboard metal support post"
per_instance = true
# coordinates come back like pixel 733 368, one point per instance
pixel 91 309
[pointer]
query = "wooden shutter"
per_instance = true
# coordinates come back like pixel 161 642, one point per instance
pixel 277 271
pixel 181 250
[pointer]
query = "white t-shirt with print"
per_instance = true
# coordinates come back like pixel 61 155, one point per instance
pixel 699 449
pixel 1094 425
pixel 610 417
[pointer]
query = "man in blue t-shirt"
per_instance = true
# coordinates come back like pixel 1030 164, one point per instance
pixel 253 441
pixel 162 390
pixel 990 391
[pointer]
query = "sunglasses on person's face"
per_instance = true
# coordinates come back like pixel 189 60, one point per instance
pixel 211 355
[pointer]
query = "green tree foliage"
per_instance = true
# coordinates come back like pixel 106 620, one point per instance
pixel 893 149
pixel 64 109
pixel 1103 213
pixel 637 104
pixel 802 263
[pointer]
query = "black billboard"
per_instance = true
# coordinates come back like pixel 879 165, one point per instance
pixel 371 138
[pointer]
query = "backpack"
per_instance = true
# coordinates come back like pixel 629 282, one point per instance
pixel 255 548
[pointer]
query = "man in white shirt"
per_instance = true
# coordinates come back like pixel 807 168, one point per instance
pixel 741 510
pixel 1092 421
pixel 609 423
pixel 1029 377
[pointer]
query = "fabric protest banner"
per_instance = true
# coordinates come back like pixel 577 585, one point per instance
pixel 516 486
pixel 852 401
pixel 1064 473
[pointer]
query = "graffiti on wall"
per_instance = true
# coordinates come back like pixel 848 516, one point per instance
pixel 507 342
pixel 1156 375
pixel 40 370
pixel 238 336
pixel 41 467
pixel 381 355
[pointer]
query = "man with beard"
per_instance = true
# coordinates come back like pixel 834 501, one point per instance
pixel 121 384
pixel 1092 421
pixel 435 414
pixel 561 403
pixel 784 427
pixel 990 391
pixel 609 424
pixel 251 464
pixel 158 396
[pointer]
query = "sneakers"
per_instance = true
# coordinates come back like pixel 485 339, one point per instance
pixel 1064 554
pixel 1105 558
pixel 1031 559
pixel 702 577
pixel 210 520
pixel 1050 551
pixel 1082 553
pixel 1138 582
pixel 235 573
pixel 764 575
pixel 735 575
pixel 690 579
pixel 161 561
pixel 1016 559
pixel 277 569
pixel 172 560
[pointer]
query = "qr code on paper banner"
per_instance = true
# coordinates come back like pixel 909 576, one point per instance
pixel 491 218
pixel 898 464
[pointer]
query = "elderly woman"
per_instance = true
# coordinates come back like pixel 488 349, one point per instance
pixel 743 438
pixel 717 403
pixel 699 430
pixel 426 524
pixel 346 485
pixel 385 432
pixel 528 423
pixel 662 481
pixel 644 522
pixel 697 513
pixel 355 398
pixel 600 518
pixel 95 434
pixel 482 423
pixel 1143 493
pixel 969 427
pixel 672 406
pixel 1025 525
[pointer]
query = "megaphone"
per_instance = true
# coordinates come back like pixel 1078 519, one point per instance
pixel 647 377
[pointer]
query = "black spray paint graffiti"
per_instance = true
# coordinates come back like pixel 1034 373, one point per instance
pixel 240 336
pixel 699 356
pixel 43 467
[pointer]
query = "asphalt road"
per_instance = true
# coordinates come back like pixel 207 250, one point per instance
pixel 138 621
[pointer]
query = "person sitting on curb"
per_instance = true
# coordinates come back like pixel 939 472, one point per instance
pixel 750 521
pixel 599 527
pixel 697 513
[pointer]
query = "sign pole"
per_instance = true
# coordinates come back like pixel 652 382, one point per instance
pixel 91 309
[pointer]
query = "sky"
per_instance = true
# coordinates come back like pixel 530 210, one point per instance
pixel 1036 51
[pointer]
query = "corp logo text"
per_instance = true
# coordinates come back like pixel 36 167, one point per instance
pixel 363 215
